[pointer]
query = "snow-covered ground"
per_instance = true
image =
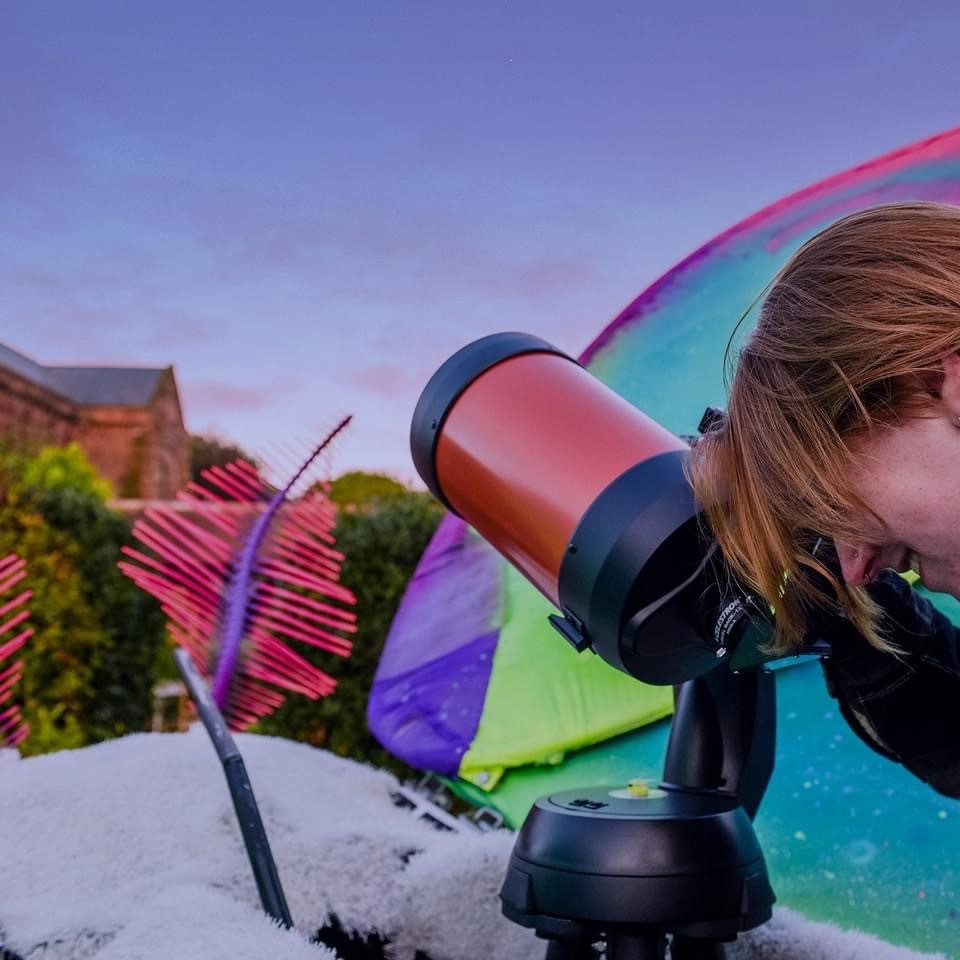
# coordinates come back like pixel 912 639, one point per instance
pixel 130 850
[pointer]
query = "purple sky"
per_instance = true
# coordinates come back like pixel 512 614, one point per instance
pixel 307 206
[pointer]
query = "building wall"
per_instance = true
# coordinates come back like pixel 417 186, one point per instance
pixel 142 451
pixel 167 464
pixel 116 441
pixel 31 413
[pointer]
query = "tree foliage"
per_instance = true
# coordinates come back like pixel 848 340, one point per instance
pixel 64 468
pixel 99 643
pixel 357 490
pixel 210 451
pixel 129 620
pixel 88 668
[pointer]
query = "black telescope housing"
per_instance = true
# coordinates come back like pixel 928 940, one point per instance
pixel 636 574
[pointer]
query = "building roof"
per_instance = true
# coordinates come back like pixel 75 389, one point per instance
pixel 24 367
pixel 107 386
pixel 96 386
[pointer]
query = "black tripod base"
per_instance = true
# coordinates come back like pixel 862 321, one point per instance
pixel 619 945
pixel 677 866
pixel 623 947
pixel 629 947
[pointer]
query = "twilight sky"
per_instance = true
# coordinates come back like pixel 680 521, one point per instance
pixel 307 205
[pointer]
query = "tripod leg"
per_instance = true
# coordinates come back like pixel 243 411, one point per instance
pixel 688 948
pixel 570 950
pixel 650 947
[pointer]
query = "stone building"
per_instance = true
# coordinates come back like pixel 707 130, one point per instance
pixel 127 419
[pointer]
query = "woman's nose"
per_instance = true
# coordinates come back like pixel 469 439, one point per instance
pixel 855 562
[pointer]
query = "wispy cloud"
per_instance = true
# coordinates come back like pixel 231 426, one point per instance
pixel 370 248
pixel 204 397
pixel 385 379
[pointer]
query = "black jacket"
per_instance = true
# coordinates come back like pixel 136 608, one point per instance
pixel 905 708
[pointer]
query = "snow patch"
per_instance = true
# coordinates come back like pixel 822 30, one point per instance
pixel 130 849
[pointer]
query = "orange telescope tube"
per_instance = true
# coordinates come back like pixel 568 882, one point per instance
pixel 527 448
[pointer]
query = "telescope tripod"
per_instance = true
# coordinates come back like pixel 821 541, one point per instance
pixel 679 863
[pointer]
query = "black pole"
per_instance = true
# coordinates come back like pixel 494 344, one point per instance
pixel 723 735
pixel 244 802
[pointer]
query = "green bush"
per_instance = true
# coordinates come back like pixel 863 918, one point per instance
pixel 99 641
pixel 130 620
pixel 59 660
pixel 89 667
pixel 357 490
pixel 210 451
pixel 64 468
pixel 382 541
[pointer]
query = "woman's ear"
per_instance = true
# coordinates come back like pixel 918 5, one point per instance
pixel 950 388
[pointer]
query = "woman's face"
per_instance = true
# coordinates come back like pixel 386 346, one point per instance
pixel 909 475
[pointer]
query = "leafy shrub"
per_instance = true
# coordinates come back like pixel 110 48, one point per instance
pixel 357 490
pixel 64 468
pixel 99 641
pixel 130 621
pixel 210 451
pixel 89 667
pixel 59 660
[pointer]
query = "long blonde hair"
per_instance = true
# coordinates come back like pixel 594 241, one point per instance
pixel 850 338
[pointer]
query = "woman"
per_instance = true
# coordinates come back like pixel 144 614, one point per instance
pixel 843 428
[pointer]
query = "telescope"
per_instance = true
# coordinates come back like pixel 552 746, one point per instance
pixel 588 498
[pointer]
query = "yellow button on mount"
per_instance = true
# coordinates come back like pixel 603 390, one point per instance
pixel 638 788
